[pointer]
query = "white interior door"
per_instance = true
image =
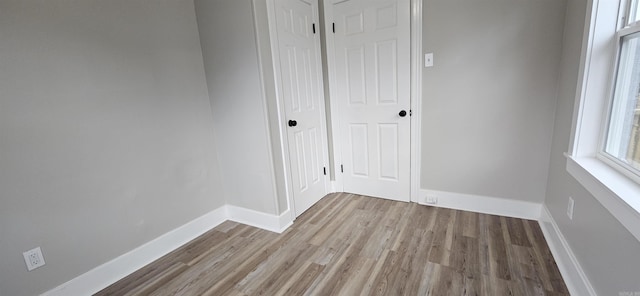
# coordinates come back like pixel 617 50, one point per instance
pixel 302 94
pixel 372 94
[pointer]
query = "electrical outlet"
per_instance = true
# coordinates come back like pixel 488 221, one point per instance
pixel 428 59
pixel 570 208
pixel 431 199
pixel 33 258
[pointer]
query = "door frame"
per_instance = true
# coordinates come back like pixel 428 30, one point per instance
pixel 281 112
pixel 415 95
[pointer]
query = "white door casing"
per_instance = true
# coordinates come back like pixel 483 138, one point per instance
pixel 369 61
pixel 301 95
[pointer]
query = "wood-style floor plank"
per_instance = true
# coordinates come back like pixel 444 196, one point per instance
pixel 348 244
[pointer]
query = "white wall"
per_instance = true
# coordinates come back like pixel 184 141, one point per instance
pixel 230 52
pixel 488 102
pixel 105 133
pixel 607 252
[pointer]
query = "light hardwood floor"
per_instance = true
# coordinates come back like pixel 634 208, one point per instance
pixel 356 245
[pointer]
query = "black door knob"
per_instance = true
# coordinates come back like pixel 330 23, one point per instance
pixel 402 113
pixel 293 123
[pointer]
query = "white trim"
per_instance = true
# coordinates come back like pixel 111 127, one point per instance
pixel 259 219
pixel 110 272
pixel 118 268
pixel 334 185
pixel 277 72
pixel 285 220
pixel 572 273
pixel 569 266
pixel 338 183
pixel 265 108
pixel 483 204
pixel 593 87
pixel 320 73
pixel 615 192
pixel 416 96
pixel 284 140
pixel 634 28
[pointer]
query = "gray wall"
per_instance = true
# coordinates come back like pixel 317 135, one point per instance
pixel 488 103
pixel 109 137
pixel 229 47
pixel 106 138
pixel 608 253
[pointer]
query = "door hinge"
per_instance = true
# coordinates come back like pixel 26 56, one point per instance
pixel 410 113
pixel 313 26
pixel 333 27
pixel 341 168
pixel 324 169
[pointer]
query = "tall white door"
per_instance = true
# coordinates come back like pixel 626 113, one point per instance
pixel 372 76
pixel 299 52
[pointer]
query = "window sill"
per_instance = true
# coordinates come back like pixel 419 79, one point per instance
pixel 616 192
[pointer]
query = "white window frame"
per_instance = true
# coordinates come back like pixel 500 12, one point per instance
pixel 616 188
pixel 623 29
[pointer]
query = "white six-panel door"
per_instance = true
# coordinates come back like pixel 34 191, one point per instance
pixel 371 56
pixel 303 99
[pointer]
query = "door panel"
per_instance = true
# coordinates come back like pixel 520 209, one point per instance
pixel 359 142
pixel 356 75
pixel 386 72
pixel 388 147
pixel 300 160
pixel 303 99
pixel 372 74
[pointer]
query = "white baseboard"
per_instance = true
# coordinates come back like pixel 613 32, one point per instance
pixel 335 186
pixel 118 268
pixel 572 273
pixel 483 204
pixel 259 219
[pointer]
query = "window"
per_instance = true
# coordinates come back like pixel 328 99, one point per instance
pixel 623 137
pixel 622 140
pixel 604 153
pixel 633 12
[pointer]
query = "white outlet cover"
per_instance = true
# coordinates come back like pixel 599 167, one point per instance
pixel 428 59
pixel 430 199
pixel 570 206
pixel 33 258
